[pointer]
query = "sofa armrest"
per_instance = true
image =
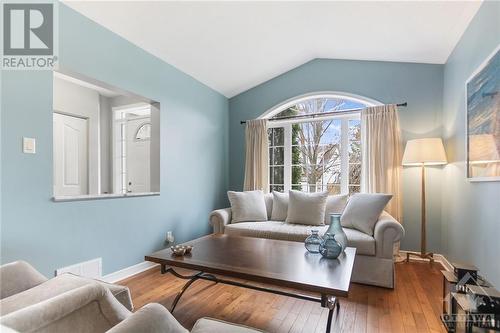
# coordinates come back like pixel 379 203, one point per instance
pixel 219 219
pixel 151 318
pixel 48 312
pixel 18 276
pixel 387 232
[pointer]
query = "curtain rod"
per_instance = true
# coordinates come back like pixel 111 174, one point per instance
pixel 314 115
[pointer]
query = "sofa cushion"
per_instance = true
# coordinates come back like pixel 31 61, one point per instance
pixel 306 208
pixel 363 211
pixel 209 325
pixel 335 204
pixel 247 206
pixel 268 198
pixel 280 206
pixel 56 286
pixel 364 243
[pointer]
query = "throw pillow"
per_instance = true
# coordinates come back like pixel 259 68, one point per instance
pixel 280 206
pixel 248 206
pixel 363 210
pixel 306 208
pixel 335 204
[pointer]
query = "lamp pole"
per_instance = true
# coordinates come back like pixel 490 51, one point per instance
pixel 423 236
pixel 421 152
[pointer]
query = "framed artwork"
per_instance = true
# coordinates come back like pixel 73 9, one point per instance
pixel 483 120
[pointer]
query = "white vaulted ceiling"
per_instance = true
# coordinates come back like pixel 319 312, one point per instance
pixel 234 46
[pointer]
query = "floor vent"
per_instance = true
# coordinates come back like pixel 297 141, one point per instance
pixel 91 269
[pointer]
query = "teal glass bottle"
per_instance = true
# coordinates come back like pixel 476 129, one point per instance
pixel 313 242
pixel 334 240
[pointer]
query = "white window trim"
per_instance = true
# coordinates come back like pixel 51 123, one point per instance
pixel 344 140
pixel 344 148
pixel 320 94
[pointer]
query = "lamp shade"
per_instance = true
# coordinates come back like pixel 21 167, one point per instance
pixel 428 151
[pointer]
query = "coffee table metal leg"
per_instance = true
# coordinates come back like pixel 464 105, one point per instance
pixel 331 303
pixel 329 321
pixel 191 278
pixel 184 288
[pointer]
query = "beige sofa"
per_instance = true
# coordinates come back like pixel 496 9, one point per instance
pixel 68 303
pixel 374 263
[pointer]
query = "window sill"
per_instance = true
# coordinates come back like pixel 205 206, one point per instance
pixel 102 196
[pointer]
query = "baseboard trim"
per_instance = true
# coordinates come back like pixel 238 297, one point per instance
pixel 437 257
pixel 128 272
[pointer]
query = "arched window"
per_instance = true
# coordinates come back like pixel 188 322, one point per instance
pixel 316 154
pixel 143 132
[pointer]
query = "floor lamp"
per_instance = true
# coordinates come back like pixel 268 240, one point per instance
pixel 423 152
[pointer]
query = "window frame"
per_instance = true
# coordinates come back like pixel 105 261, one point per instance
pixel 344 147
pixel 287 125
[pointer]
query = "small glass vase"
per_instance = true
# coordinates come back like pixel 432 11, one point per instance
pixel 313 242
pixel 334 240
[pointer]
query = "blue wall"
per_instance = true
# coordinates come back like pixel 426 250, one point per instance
pixel 471 211
pixel 121 231
pixel 418 84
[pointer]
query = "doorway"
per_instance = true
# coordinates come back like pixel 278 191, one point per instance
pixel 70 155
pixel 132 146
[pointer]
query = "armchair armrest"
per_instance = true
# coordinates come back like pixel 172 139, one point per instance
pixel 48 312
pixel 219 219
pixel 151 318
pixel 387 232
pixel 18 276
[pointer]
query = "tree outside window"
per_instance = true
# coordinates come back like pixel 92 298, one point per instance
pixel 318 161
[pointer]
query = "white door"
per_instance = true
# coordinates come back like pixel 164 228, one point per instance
pixel 70 155
pixel 138 156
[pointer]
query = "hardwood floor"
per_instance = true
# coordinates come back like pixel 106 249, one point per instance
pixel 413 306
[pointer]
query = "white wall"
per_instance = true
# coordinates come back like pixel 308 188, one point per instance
pixel 105 118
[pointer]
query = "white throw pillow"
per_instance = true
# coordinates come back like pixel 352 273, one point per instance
pixel 335 204
pixel 248 206
pixel 306 208
pixel 280 206
pixel 363 210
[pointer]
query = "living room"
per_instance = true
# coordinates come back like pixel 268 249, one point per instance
pixel 272 166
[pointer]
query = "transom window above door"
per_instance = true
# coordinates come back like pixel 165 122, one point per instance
pixel 316 154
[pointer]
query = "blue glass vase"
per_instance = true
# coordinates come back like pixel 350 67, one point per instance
pixel 313 241
pixel 334 240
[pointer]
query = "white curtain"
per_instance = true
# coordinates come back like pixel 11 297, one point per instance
pixel 256 156
pixel 382 154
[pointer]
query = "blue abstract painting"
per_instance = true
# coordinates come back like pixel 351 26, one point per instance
pixel 483 121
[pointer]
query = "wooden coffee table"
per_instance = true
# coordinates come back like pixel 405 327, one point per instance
pixel 280 263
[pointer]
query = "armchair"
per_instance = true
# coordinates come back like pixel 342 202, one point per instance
pixel 18 276
pixel 68 303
